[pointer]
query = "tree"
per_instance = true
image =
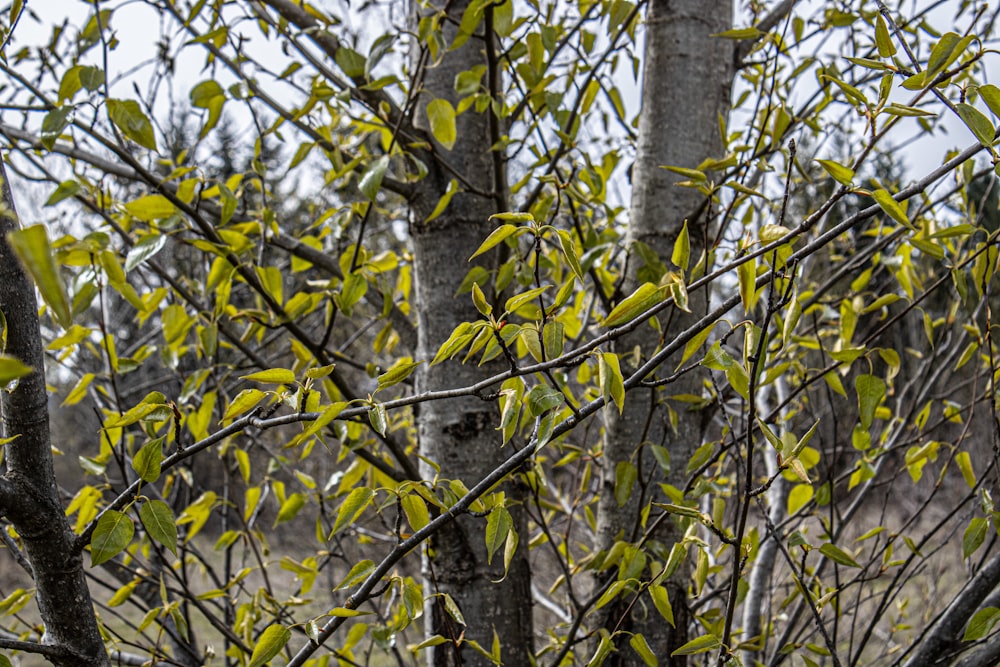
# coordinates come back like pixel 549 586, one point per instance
pixel 394 359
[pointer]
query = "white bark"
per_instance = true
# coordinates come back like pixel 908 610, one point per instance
pixel 686 88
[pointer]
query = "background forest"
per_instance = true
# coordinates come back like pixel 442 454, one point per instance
pixel 496 332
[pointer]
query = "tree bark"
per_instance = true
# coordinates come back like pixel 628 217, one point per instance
pixel 686 89
pixel 29 497
pixel 457 438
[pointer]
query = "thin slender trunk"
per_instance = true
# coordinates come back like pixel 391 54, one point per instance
pixel 457 438
pixel 686 89
pixel 29 497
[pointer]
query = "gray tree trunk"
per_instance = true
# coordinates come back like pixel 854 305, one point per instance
pixel 29 497
pixel 457 438
pixel 686 88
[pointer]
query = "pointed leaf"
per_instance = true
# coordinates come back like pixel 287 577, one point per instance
pixel 113 533
pixel 31 245
pixel 441 116
pixel 128 117
pixel 352 507
pixel 642 299
pixel 11 369
pixel 159 523
pixel 497 236
pixel 269 645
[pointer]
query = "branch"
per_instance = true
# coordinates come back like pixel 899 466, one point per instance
pixel 780 11
pixel 943 637
pixel 296 15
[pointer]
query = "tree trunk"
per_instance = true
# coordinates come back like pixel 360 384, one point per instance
pixel 29 497
pixel 457 438
pixel 686 88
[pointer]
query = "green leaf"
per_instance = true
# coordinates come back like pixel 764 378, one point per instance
pixel 203 93
pixel 661 600
pixel 147 460
pixel 444 200
pixel 271 376
pixel 399 371
pixel 964 462
pixel 750 32
pixel 497 236
pixel 53 124
pixel 350 61
pixel 31 245
pixel 840 173
pixel 147 247
pixel 975 535
pixel 480 302
pixel 113 533
pixel 837 555
pixel 416 511
pixel 441 116
pixel 65 190
pixel 243 401
pixel 128 117
pixel 886 49
pixel 640 646
pixel 681 254
pixel 12 369
pixel 159 523
pixel 378 418
pixel 352 507
pixel 371 182
pixel 991 95
pixel 870 390
pixel 980 125
pixel 699 645
pixel 269 645
pixel 513 216
pixel 498 525
pixel 981 623
pixel 626 475
pixel 150 207
pixel 642 299
pixel 543 398
pixel 610 378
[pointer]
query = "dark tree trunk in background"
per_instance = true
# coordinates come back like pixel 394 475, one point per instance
pixel 29 497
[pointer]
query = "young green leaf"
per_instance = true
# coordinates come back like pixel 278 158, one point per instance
pixel 12 369
pixel 681 254
pixel 981 624
pixel 159 522
pixel 837 555
pixel 269 645
pixel 498 525
pixel 129 117
pixel 146 461
pixel 642 299
pixel 980 125
pixel 497 236
pixel 699 645
pixel 441 116
pixel 31 245
pixel 840 173
pixel 113 533
pixel 352 507
pixel 371 182
pixel 870 391
pixel 271 376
